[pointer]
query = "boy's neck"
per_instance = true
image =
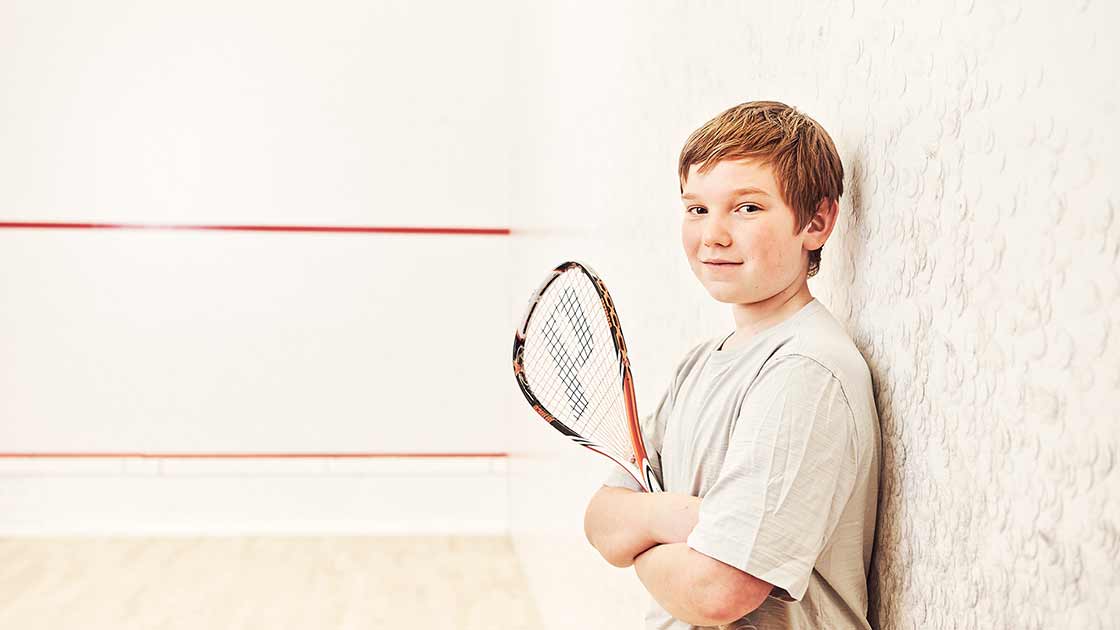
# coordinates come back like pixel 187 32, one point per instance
pixel 753 318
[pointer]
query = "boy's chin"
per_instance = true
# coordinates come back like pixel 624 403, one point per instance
pixel 730 294
pixel 722 294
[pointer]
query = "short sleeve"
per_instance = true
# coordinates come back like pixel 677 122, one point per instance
pixel 789 471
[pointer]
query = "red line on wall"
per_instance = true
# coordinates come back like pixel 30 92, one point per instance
pixel 382 455
pixel 352 229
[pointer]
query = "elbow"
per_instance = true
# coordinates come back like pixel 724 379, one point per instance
pixel 722 601
pixel 720 612
pixel 602 543
pixel 591 522
pixel 591 526
pixel 617 560
pixel 598 534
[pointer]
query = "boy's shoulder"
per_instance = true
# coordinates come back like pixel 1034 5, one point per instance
pixel 812 334
pixel 821 337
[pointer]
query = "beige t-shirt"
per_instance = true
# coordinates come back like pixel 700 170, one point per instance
pixel 780 438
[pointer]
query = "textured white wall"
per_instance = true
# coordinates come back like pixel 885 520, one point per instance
pixel 975 266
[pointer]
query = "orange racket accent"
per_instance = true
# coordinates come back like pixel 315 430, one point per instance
pixel 632 416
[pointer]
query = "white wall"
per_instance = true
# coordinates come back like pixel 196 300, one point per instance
pixel 975 265
pixel 346 113
pixel 218 342
pixel 257 112
pixel 261 496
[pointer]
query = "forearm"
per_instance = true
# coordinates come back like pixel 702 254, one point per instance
pixel 698 589
pixel 621 524
pixel 667 573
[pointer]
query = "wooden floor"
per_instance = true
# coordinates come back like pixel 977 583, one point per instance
pixel 275 583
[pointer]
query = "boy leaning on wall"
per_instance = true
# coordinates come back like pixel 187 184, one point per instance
pixel 767 439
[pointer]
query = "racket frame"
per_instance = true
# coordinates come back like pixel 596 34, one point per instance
pixel 640 469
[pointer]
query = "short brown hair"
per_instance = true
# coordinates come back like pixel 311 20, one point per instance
pixel 800 152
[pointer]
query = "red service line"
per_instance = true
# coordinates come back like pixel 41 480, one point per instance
pixel 348 229
pixel 381 455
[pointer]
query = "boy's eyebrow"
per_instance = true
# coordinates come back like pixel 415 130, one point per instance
pixel 749 190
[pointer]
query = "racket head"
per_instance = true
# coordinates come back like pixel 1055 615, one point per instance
pixel 571 364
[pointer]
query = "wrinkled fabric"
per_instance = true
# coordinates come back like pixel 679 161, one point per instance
pixel 780 438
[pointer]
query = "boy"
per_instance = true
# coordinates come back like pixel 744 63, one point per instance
pixel 767 440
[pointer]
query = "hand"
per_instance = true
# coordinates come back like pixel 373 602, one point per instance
pixel 621 523
pixel 672 517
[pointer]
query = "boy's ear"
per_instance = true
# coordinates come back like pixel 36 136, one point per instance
pixel 820 226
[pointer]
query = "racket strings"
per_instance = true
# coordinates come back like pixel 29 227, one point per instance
pixel 571 364
pixel 567 364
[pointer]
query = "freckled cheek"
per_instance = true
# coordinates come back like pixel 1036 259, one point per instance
pixel 767 251
pixel 757 251
pixel 690 239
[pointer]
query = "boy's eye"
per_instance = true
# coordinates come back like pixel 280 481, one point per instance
pixel 748 208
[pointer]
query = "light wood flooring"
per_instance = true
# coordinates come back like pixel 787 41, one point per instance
pixel 307 583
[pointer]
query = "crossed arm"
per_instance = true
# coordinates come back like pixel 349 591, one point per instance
pixel 648 531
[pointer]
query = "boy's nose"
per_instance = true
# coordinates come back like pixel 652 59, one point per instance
pixel 715 233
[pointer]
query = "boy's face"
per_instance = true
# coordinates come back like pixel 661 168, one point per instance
pixel 738 233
